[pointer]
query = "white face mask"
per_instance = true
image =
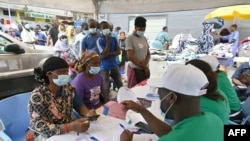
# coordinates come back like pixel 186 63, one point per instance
pixel 61 80
pixel 105 31
pixel 92 30
pixel 165 113
pixel 65 41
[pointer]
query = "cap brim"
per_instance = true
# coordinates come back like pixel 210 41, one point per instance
pixel 155 82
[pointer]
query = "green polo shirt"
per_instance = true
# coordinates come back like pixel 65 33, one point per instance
pixel 225 85
pixel 218 107
pixel 202 127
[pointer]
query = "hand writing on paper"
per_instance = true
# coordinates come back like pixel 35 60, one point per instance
pixel 126 135
pixel 79 125
pixel 133 106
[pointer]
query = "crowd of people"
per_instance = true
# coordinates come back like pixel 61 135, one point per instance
pixel 197 96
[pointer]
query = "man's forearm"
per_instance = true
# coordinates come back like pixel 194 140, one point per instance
pixel 48 39
pixel 115 53
pixel 159 127
pixel 236 82
pixel 105 52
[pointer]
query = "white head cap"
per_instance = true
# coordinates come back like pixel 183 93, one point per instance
pixel 185 79
pixel 212 61
pixel 61 34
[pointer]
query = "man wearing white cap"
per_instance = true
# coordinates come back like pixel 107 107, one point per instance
pixel 180 93
pixel 223 83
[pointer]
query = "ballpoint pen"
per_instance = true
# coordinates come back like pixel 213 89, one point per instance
pixel 133 130
pixel 122 126
pixel 93 138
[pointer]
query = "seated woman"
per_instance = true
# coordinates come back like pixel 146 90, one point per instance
pixel 51 104
pixel 214 101
pixel 241 81
pixel 88 82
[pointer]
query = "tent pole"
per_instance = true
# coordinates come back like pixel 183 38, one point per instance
pixel 234 21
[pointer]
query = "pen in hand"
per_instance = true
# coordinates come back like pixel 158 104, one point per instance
pixel 122 126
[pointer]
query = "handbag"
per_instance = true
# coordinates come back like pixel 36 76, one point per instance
pixel 140 75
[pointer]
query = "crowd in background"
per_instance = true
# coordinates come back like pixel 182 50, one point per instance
pixel 88 58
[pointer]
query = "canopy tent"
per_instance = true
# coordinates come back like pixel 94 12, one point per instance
pixel 126 6
pixel 155 6
pixel 231 12
pixel 85 6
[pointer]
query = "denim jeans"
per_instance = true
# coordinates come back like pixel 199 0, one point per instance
pixel 115 75
pixel 243 94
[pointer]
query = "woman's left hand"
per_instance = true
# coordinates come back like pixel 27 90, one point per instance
pixel 91 113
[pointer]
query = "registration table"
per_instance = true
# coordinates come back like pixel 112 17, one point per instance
pixel 108 128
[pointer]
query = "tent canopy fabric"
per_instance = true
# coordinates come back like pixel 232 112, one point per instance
pixel 231 12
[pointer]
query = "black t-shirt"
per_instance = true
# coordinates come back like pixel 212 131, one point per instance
pixel 53 32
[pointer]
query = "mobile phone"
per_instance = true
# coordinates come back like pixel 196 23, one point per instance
pixel 143 126
pixel 94 117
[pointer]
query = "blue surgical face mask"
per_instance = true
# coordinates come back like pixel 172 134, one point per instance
pixel 105 31
pixel 94 70
pixel 61 80
pixel 92 30
pixel 85 32
pixel 140 33
pixel 65 41
pixel 163 114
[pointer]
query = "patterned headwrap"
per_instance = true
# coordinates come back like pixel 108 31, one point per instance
pixel 86 56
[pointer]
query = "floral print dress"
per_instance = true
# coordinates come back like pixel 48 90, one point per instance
pixel 49 112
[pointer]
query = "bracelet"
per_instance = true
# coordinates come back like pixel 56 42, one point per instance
pixel 65 127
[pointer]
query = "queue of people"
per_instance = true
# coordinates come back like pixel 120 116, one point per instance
pixel 197 96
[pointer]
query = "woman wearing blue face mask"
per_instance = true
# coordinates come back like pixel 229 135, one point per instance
pixel 65 51
pixel 51 104
pixel 89 83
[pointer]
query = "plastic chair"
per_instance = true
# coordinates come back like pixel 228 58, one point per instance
pixel 15 117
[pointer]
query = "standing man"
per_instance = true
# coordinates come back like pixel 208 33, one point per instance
pixel 40 37
pixel 27 35
pixel 233 38
pixel 109 49
pixel 89 42
pixel 19 31
pixel 113 34
pixel 53 32
pixel 77 44
pixel 138 53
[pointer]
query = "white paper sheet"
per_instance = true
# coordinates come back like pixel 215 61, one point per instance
pixel 125 94
pixel 104 129
pixel 141 91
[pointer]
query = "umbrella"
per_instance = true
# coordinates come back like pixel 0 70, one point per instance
pixel 231 12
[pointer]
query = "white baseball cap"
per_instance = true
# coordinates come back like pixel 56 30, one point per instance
pixel 184 79
pixel 212 61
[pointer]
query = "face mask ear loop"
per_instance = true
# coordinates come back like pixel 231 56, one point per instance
pixel 171 104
